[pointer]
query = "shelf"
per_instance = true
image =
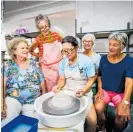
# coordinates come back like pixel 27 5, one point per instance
pixel 30 35
pixel 27 35
pixel 105 34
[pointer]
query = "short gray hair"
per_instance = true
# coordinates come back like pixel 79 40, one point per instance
pixel 40 17
pixel 89 36
pixel 122 37
pixel 12 45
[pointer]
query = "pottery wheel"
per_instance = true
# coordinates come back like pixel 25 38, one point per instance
pixel 61 104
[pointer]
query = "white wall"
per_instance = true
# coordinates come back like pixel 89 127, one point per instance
pixel 95 16
pixel 61 14
pixel 90 15
pixel 63 20
pixel 104 15
pixel 26 17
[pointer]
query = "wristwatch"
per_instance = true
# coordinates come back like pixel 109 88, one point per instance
pixel 126 102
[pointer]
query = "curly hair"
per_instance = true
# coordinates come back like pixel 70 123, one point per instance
pixel 12 45
pixel 41 17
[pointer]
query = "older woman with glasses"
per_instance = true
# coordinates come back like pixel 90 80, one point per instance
pixel 23 82
pixel 49 46
pixel 88 42
pixel 115 82
pixel 76 71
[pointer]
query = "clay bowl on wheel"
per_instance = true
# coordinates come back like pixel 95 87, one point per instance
pixel 63 119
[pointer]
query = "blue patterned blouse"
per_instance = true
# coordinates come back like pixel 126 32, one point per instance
pixel 23 84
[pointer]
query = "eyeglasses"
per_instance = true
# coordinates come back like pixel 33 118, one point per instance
pixel 44 27
pixel 87 41
pixel 68 51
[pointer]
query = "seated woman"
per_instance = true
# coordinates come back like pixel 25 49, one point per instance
pixel 115 82
pixel 23 82
pixel 76 71
pixel 88 41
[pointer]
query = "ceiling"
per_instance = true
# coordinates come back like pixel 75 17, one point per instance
pixel 10 6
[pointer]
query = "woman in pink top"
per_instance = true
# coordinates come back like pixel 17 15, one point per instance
pixel 49 46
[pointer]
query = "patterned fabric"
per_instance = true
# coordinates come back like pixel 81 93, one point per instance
pixel 50 38
pixel 23 84
pixel 50 61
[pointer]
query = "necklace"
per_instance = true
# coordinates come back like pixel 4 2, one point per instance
pixel 115 59
pixel 46 38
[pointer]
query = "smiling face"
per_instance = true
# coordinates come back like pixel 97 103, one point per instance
pixel 21 50
pixel 43 26
pixel 87 43
pixel 115 47
pixel 69 50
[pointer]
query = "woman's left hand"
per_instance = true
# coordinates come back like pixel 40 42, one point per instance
pixel 80 93
pixel 123 111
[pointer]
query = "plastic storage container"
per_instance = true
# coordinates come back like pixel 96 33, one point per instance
pixel 21 124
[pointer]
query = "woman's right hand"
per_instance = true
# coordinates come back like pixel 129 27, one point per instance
pixel 56 89
pixel 3 111
pixel 99 96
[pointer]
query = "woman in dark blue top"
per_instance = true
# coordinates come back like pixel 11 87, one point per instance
pixel 115 81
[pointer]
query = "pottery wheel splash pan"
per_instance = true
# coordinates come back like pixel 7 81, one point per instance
pixel 57 105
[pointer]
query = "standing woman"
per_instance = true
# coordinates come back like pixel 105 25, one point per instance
pixel 49 46
pixel 88 41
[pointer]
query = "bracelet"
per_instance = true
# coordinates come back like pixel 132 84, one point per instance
pixel 126 102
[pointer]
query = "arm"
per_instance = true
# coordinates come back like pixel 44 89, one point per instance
pixel 128 89
pixel 3 104
pixel 33 47
pixel 60 84
pixel 123 109
pixel 87 87
pixel 99 95
pixel 61 80
pixel 43 87
pixel 99 80
pixel 89 70
pixel 89 84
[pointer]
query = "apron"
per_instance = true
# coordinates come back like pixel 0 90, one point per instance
pixel 50 62
pixel 75 80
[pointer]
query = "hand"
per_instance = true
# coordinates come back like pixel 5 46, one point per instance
pixel 3 111
pixel 123 111
pixel 80 93
pixel 99 96
pixel 56 89
pixel 43 93
pixel 40 64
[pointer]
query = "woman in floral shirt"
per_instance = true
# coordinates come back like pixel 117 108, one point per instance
pixel 23 82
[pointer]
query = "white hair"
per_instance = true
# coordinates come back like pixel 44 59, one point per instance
pixel 122 37
pixel 89 36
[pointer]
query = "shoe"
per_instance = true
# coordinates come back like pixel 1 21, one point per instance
pixel 101 128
